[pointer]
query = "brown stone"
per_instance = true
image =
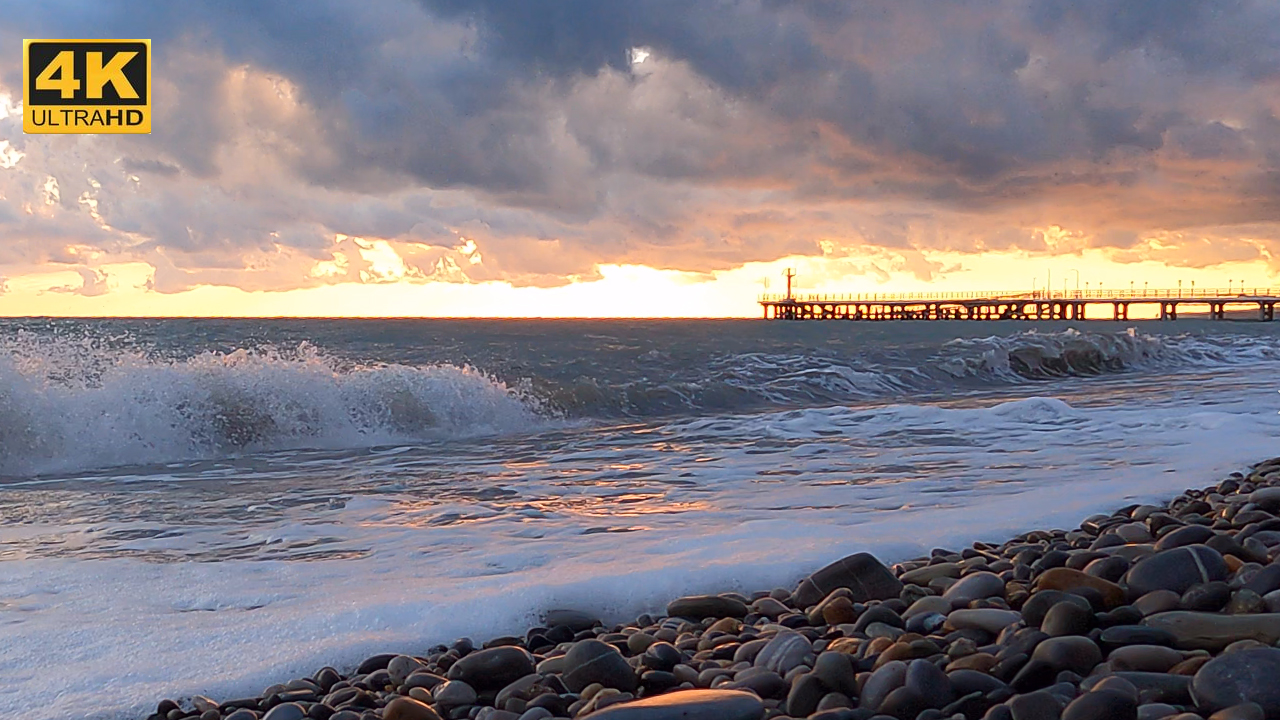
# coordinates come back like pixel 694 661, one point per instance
pixel 839 610
pixel 879 645
pixel 907 651
pixel 1066 580
pixel 1189 666
pixel 845 645
pixel 982 662
pixel 403 708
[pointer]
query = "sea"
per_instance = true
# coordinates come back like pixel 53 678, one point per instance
pixel 213 506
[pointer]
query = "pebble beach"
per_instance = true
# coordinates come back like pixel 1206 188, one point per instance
pixel 1148 613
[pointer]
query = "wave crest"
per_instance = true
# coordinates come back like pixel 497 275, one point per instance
pixel 66 407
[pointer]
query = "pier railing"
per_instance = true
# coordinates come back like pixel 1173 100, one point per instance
pixel 1131 294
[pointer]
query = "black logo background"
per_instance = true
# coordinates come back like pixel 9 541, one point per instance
pixel 40 54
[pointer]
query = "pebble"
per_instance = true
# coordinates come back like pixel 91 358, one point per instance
pixel 786 651
pixel 1242 676
pixel 992 620
pixel 575 620
pixel 593 661
pixel 1157 602
pixel 1144 658
pixel 403 708
pixel 1039 705
pixel 402 666
pixel 928 683
pixel 1034 609
pixel 979 585
pixel 286 711
pixel 688 705
pixel 1104 705
pixel 697 607
pixel 1073 581
pixel 1067 618
pixel 884 680
pixel 492 669
pixel 1205 597
pixel 1177 570
pixel 454 693
pixel 865 576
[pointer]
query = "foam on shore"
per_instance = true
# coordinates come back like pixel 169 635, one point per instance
pixel 104 638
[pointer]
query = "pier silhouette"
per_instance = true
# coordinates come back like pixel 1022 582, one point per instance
pixel 1035 305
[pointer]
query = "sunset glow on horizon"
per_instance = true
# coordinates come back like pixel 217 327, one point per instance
pixel 631 172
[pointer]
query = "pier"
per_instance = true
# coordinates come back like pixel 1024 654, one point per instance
pixel 1038 305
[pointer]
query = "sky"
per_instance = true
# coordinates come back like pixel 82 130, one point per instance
pixel 644 158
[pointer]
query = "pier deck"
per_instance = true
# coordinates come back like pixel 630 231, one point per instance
pixel 1068 305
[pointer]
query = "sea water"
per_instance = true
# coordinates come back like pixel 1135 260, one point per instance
pixel 213 506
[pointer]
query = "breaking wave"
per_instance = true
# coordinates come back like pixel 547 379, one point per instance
pixel 72 406
pixel 752 380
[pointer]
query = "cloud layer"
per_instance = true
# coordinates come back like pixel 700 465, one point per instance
pixel 531 140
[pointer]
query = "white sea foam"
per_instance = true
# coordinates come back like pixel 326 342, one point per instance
pixel 747 502
pixel 77 407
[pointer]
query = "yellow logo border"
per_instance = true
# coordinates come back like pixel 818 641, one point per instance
pixel 30 128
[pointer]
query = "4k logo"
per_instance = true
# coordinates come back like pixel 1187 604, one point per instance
pixel 86 86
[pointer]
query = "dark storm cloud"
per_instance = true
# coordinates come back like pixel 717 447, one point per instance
pixel 1208 36
pixel 526 122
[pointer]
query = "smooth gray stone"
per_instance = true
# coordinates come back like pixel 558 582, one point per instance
pixel 687 705
pixel 1035 608
pixel 1267 498
pixel 1239 677
pixel 884 680
pixel 806 692
pixel 928 682
pixel 492 669
pixel 1143 658
pixel 243 714
pixel 904 702
pixel 1177 570
pixel 786 651
pixel 454 693
pixel 575 620
pixel 1066 618
pixel 1074 653
pixel 286 711
pixel 1213 632
pixel 973 587
pixel 1156 711
pixel 837 673
pixel 1183 536
pixel 1039 705
pixel 402 666
pixel 594 661
pixel 1161 687
pixel 697 607
pixel 1267 579
pixel 1103 705
pixel 862 573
